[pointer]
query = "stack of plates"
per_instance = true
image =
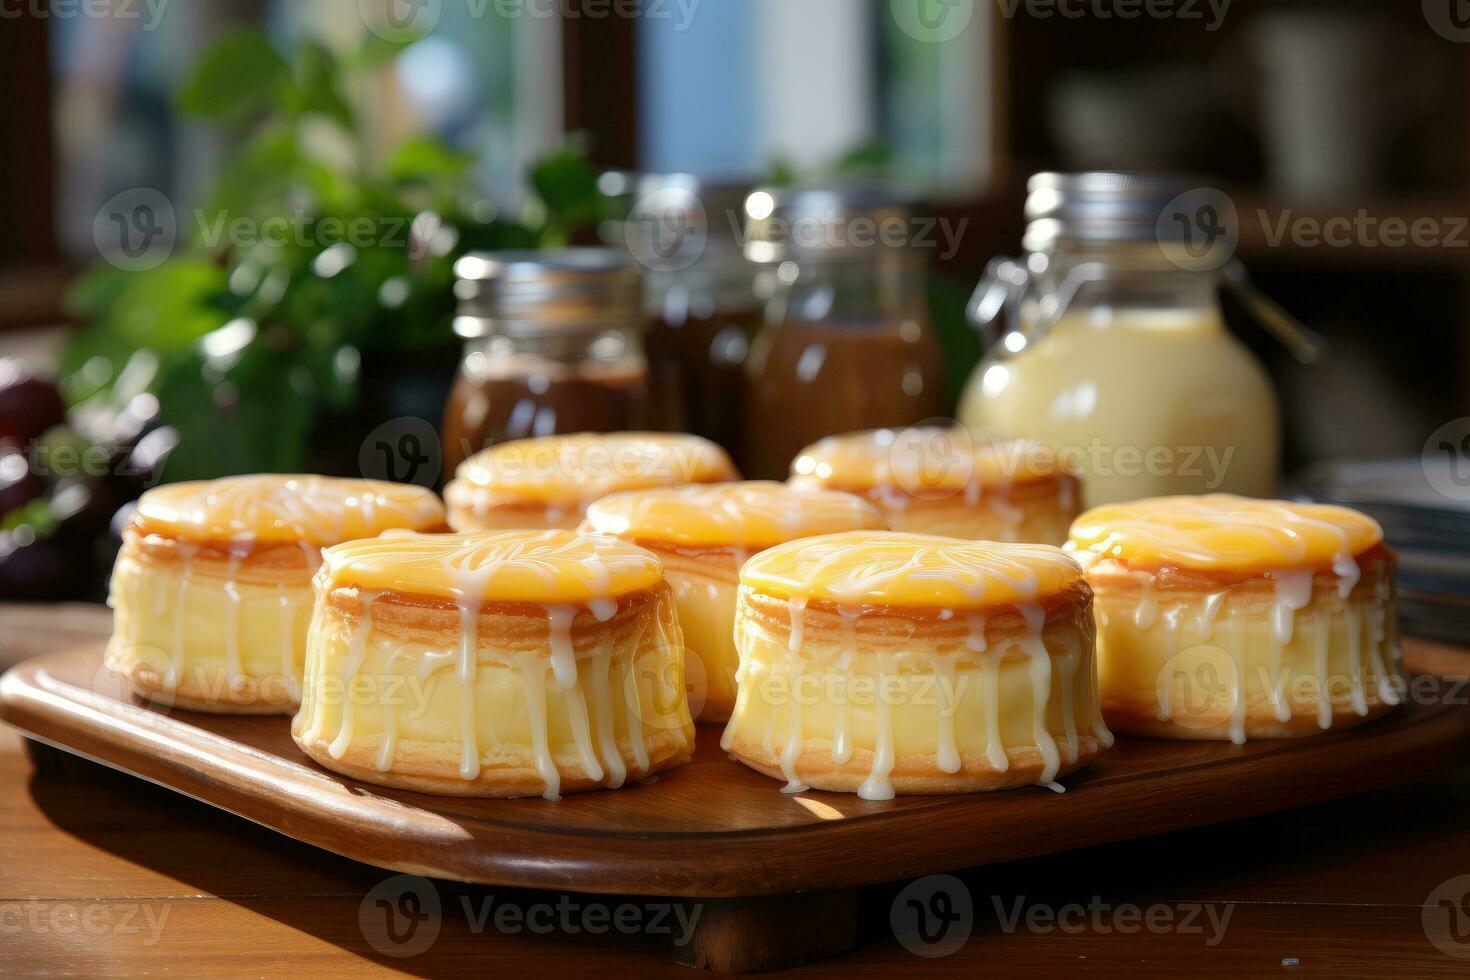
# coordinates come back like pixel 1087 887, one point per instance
pixel 1424 507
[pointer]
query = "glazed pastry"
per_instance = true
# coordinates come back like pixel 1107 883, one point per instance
pixel 511 663
pixel 1228 617
pixel 548 482
pixel 953 481
pixel 878 663
pixel 211 593
pixel 703 534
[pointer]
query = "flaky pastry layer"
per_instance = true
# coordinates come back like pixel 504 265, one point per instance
pixel 552 700
pixel 885 700
pixel 1194 655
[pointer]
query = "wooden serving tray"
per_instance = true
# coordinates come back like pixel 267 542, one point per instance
pixel 712 830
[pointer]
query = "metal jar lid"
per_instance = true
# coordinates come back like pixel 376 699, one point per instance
pixel 663 207
pixel 826 224
pixel 1161 213
pixel 528 293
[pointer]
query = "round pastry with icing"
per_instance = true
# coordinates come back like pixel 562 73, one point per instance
pixel 880 662
pixel 952 481
pixel 548 482
pixel 211 592
pixel 508 663
pixel 1229 617
pixel 703 534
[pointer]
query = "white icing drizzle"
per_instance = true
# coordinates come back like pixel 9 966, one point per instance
pixel 532 672
pixel 948 754
pixel 563 656
pixel 851 570
pixel 791 751
pixel 1147 609
pixel 1293 591
pixel 1035 649
pixel 1068 661
pixel 287 640
pixel 607 737
pixel 976 638
pixel 472 564
pixel 1355 669
pixel 1324 693
pixel 995 750
pixel 356 652
pixel 1236 627
pixel 797 607
pixel 176 654
pixel 879 785
pixel 234 670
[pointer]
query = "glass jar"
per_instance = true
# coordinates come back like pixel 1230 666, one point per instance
pixel 698 296
pixel 1114 351
pixel 846 342
pixel 552 345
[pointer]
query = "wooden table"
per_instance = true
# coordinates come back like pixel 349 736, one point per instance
pixel 103 875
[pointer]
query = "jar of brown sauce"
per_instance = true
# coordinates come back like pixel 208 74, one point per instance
pixel 698 296
pixel 846 342
pixel 552 345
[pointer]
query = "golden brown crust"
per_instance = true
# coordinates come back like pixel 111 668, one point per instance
pixel 941 630
pixel 1036 489
pixel 511 627
pixel 665 749
pixel 247 697
pixel 1114 575
pixel 912 774
pixel 1121 591
pixel 465 501
pixel 1139 718
pixel 270 564
pixel 717 560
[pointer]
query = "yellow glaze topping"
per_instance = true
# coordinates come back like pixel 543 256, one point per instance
pixel 274 509
pixel 918 570
pixel 923 458
pixel 752 514
pixel 495 566
pixel 576 468
pixel 1223 533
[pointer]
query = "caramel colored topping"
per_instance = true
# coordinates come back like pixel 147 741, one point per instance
pixel 272 509
pixel 750 515
pixel 916 570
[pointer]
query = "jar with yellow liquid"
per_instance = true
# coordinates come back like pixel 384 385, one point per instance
pixel 1114 351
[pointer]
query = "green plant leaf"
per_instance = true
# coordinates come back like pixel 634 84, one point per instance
pixel 864 159
pixel 318 86
pixel 566 182
pixel 240 73
pixel 428 161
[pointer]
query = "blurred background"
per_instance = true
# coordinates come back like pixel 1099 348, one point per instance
pixel 148 336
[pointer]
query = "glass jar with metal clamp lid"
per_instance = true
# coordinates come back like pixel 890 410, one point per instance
pixel 699 296
pixel 1107 341
pixel 846 341
pixel 552 345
